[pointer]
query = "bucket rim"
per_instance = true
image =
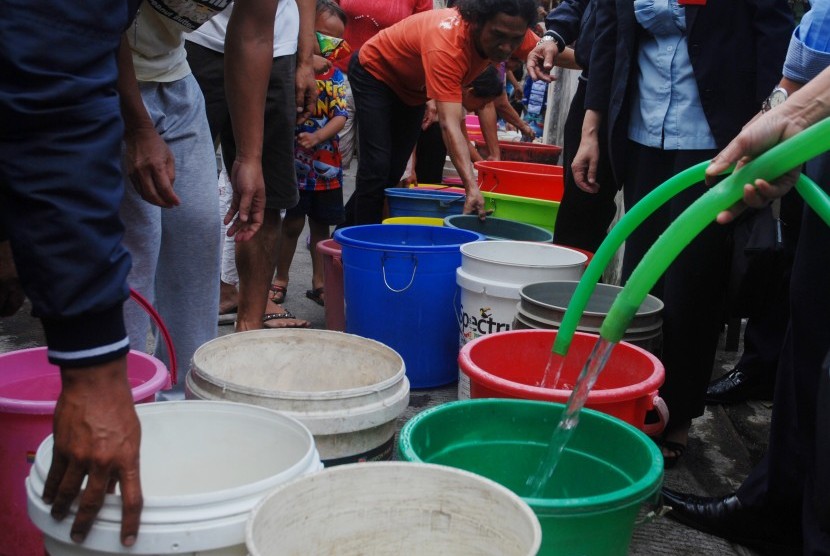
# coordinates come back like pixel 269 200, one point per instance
pixel 638 490
pixel 467 247
pixel 407 467
pixel 509 387
pixel 464 237
pixel 521 200
pixel 513 167
pixel 159 380
pixel 542 233
pixel 300 395
pixel 656 301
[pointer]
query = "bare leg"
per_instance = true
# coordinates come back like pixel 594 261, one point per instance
pixel 319 232
pixel 292 227
pixel 255 262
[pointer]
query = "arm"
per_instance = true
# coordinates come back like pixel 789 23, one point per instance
pixel 586 160
pixel 563 23
pixel 332 128
pixel 488 119
pixel 149 162
pixel 509 115
pixel 450 115
pixel 306 84
pixel 249 49
pixel 805 107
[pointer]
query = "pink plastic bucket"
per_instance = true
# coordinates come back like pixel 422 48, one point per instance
pixel 333 282
pixel 29 389
pixel 509 364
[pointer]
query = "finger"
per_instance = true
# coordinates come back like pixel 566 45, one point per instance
pixel 90 503
pixel 68 489
pixel 131 505
pixel 730 214
pixel 53 479
pixel 734 152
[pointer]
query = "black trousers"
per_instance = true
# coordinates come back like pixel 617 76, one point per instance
pixel 789 483
pixel 583 218
pixel 693 287
pixel 388 131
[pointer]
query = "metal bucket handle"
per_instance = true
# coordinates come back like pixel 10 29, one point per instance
pixel 411 279
pixel 165 334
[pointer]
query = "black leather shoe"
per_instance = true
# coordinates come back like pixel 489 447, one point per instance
pixel 725 517
pixel 737 386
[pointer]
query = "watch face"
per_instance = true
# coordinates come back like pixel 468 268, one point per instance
pixel 777 97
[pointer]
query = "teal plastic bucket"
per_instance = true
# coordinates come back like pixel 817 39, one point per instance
pixel 591 503
pixel 399 285
pixel 429 204
pixel 499 228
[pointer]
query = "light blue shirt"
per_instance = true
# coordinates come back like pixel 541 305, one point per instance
pixel 666 112
pixel 809 51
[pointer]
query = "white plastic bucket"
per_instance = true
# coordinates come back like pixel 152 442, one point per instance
pixel 204 466
pixel 348 390
pixel 393 508
pixel 490 277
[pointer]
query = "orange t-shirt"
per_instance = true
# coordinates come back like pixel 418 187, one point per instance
pixel 429 55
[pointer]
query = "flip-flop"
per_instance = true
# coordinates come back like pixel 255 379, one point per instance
pixel 316 295
pixel 278 293
pixel 286 315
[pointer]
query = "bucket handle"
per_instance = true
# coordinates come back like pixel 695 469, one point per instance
pixel 446 204
pixel 165 334
pixel 411 279
pixel 657 403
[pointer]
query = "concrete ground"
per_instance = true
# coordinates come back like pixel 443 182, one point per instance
pixel 724 444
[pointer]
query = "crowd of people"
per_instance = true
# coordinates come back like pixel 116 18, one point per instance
pixel 108 181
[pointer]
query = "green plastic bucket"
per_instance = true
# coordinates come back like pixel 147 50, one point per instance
pixel 589 507
pixel 499 228
pixel 537 212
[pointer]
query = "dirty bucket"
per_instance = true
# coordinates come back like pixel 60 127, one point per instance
pixel 204 466
pixel 543 305
pixel 536 212
pixel 499 228
pixel 424 203
pixel 333 284
pixel 405 509
pixel 607 471
pixel 29 390
pixel 423 220
pixel 346 389
pixel 511 364
pixel 490 277
pixel 524 179
pixel 523 151
pixel 400 290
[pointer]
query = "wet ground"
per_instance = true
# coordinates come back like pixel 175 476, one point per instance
pixel 724 444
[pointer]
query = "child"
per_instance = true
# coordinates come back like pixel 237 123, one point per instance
pixel 317 157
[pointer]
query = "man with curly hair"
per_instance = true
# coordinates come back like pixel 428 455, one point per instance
pixel 428 56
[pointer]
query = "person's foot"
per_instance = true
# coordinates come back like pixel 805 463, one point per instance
pixel 317 295
pixel 277 292
pixel 673 444
pixel 727 518
pixel 738 386
pixel 277 316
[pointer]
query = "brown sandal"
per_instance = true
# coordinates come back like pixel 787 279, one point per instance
pixel 278 293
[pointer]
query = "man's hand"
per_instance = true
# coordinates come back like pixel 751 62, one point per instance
pixel 474 204
pixel 540 61
pixel 584 165
pixel 306 87
pixel 97 437
pixel 430 114
pixel 151 167
pixel 247 208
pixel 11 292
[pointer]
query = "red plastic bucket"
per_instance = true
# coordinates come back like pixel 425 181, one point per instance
pixel 520 151
pixel 523 179
pixel 509 364
pixel 333 283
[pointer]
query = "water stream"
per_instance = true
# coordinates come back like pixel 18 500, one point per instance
pixel 553 370
pixel 596 362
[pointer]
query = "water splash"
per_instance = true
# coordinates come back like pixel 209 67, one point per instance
pixel 553 370
pixel 596 362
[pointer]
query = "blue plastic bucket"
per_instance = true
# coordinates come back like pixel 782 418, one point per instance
pixel 430 203
pixel 399 284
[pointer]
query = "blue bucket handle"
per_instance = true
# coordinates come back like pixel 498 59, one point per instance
pixel 446 204
pixel 411 279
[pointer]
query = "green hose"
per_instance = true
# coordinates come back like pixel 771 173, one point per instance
pixel 772 164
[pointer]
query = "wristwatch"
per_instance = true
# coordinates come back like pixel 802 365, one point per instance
pixel 551 36
pixel 776 97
